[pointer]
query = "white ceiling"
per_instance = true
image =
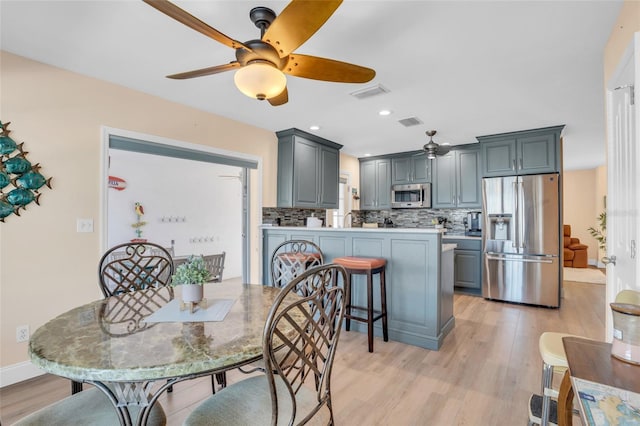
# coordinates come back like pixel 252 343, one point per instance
pixel 465 69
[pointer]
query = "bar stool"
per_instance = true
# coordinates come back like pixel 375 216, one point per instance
pixel 368 266
pixel 543 409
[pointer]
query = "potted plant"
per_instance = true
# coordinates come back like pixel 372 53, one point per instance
pixel 191 275
pixel 600 233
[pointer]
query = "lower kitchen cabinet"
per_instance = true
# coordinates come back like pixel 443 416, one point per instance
pixel 467 265
pixel 419 276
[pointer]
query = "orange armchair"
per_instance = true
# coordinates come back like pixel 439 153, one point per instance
pixel 575 253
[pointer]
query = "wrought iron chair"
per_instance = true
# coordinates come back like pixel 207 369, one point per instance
pixel 289 260
pixel 280 396
pixel 134 266
pixel 292 258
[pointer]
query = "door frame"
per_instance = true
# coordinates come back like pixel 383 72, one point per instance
pixel 248 208
pixel 631 57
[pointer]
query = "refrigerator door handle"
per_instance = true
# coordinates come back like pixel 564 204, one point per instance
pixel 516 226
pixel 513 259
pixel 521 221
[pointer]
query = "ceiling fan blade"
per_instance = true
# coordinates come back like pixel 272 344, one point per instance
pixel 205 71
pixel 297 22
pixel 191 21
pixel 443 150
pixel 281 99
pixel 327 69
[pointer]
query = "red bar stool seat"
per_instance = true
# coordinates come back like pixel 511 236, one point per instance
pixel 368 266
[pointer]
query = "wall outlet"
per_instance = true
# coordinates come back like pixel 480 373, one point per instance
pixel 22 333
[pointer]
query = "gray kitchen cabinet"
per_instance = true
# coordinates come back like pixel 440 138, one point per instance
pixel 410 169
pixel 308 170
pixel 521 153
pixel 467 265
pixel 419 274
pixel 456 179
pixel 375 184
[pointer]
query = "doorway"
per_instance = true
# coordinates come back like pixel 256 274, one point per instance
pixel 195 199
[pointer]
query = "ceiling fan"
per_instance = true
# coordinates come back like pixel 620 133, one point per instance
pixel 432 149
pixel 262 64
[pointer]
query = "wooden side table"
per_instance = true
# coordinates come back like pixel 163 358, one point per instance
pixel 591 360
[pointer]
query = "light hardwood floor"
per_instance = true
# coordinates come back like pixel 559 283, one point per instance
pixel 483 374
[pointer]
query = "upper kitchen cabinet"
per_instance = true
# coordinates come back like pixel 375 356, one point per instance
pixel 456 179
pixel 410 169
pixel 308 170
pixel 522 153
pixel 375 184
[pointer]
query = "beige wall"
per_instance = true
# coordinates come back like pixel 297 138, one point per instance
pixel 601 193
pixel 46 267
pixel 582 204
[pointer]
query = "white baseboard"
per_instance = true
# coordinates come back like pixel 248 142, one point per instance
pixel 18 372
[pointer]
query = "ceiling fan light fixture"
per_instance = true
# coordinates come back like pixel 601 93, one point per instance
pixel 260 80
pixel 431 155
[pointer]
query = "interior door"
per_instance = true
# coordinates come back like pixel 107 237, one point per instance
pixel 622 179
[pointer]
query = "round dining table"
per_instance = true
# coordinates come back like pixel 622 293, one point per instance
pixel 110 344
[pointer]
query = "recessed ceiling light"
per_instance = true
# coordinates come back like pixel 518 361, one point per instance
pixel 367 155
pixel 384 112
pixel 314 127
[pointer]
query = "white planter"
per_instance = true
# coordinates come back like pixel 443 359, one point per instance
pixel 192 293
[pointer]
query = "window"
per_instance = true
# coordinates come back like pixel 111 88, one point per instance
pixel 339 213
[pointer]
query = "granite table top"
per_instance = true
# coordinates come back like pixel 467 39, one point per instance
pixel 109 341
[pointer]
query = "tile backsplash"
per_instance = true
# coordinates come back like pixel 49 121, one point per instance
pixel 290 216
pixel 401 218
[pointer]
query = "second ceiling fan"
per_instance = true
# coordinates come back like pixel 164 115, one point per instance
pixel 262 63
pixel 432 149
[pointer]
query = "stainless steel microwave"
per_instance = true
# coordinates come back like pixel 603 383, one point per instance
pixel 415 195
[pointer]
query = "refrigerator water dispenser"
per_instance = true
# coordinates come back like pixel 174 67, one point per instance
pixel 499 226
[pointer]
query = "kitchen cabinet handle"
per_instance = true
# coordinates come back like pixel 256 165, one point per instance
pixel 513 164
pixel 520 163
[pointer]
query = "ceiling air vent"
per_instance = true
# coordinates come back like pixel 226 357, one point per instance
pixel 410 121
pixel 370 91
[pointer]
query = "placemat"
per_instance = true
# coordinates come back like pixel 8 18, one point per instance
pixel 216 310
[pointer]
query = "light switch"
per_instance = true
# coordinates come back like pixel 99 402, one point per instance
pixel 84 225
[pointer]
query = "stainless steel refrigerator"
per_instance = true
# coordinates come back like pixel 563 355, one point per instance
pixel 522 239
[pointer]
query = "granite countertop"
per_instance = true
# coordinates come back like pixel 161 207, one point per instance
pixel 358 229
pixel 86 343
pixel 445 235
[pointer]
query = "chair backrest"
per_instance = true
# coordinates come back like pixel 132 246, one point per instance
pixel 293 358
pixel 215 265
pixel 292 258
pixel 134 266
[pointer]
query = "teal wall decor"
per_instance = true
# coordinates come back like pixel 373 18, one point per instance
pixel 20 181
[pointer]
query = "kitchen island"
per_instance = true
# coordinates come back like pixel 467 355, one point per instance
pixel 419 275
